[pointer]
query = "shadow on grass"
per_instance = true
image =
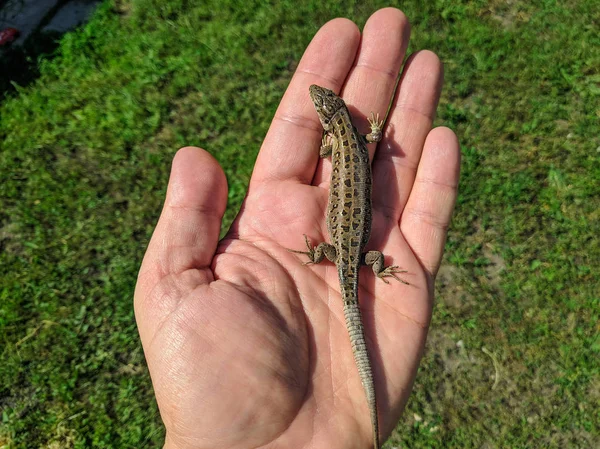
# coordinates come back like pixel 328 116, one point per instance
pixel 19 64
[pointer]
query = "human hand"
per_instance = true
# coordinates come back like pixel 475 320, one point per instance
pixel 248 348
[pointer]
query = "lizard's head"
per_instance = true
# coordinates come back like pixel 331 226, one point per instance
pixel 326 103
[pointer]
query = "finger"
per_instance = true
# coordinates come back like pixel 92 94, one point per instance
pixel 373 77
pixel 410 121
pixel 371 81
pixel 290 148
pixel 188 229
pixel 427 214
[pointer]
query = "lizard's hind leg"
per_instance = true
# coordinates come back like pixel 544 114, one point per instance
pixel 318 253
pixel 375 260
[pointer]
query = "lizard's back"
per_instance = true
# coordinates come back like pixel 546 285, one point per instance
pixel 349 222
pixel 349 227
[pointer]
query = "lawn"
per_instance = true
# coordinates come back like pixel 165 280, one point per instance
pixel 86 142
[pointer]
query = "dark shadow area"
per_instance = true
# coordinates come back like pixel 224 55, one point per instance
pixel 19 64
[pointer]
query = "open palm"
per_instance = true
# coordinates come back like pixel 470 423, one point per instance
pixel 246 346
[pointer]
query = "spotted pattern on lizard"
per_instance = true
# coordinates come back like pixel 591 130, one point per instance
pixel 349 215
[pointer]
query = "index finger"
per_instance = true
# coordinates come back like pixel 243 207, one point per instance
pixel 289 150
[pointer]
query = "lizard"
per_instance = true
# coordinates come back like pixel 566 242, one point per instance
pixel 349 216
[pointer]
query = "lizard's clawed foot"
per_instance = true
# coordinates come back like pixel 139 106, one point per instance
pixel 376 124
pixel 391 272
pixel 310 253
pixel 327 144
pixel 376 128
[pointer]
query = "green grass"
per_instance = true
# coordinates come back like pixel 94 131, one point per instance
pixel 85 155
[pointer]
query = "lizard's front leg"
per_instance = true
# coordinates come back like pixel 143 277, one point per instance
pixel 318 253
pixel 376 126
pixel 375 260
pixel 329 144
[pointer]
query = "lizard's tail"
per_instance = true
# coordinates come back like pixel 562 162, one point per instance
pixel 355 328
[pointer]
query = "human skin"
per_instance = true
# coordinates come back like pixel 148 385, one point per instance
pixel 247 347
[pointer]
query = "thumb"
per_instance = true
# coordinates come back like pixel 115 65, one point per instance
pixel 187 232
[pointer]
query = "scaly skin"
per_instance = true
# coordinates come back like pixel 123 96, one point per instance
pixel 349 216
